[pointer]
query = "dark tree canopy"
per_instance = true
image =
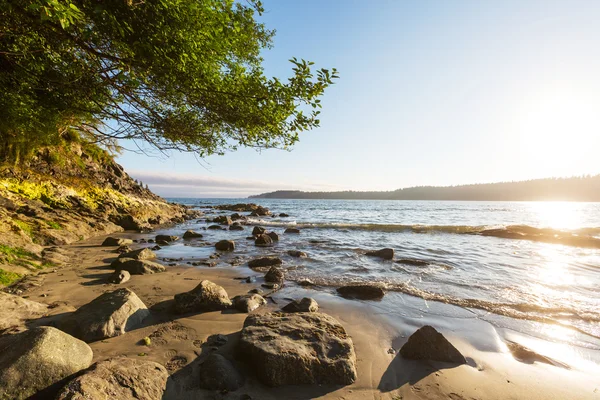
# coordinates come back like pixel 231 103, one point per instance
pixel 178 74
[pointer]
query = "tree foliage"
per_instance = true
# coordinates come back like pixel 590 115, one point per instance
pixel 178 74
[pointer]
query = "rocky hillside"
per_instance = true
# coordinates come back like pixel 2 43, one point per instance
pixel 65 194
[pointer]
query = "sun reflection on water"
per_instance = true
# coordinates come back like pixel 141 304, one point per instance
pixel 556 214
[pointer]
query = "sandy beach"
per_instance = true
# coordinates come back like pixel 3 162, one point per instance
pixel 180 343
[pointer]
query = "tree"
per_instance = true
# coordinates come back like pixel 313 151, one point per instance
pixel 177 74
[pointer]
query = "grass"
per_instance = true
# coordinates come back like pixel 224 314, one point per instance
pixel 12 253
pixel 6 277
pixel 53 225
pixel 24 226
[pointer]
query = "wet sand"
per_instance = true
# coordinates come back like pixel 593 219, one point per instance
pixel 181 342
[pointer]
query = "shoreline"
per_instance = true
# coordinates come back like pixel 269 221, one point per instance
pixel 491 372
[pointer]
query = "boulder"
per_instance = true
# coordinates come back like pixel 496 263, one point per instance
pixel 263 241
pixel 428 344
pixel 216 228
pixel 295 349
pixel 111 314
pixel 166 238
pixel 258 230
pixel 15 311
pixel 139 254
pixel 35 359
pixel 218 373
pixel 189 234
pixel 386 254
pixel 264 262
pixel 275 275
pixel 305 305
pixel 361 292
pixel 297 254
pixel 207 296
pixel 137 267
pixel 248 303
pixel 120 277
pixel 223 220
pixel 113 241
pixel 274 236
pixel 292 230
pixel 118 378
pixel 225 245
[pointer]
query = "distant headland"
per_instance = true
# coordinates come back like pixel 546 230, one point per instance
pixel 583 188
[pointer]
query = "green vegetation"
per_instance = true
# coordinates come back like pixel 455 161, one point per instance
pixel 53 225
pixel 147 341
pixel 6 277
pixel 12 253
pixel 24 226
pixel 175 74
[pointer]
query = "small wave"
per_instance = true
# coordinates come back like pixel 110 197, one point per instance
pixel 524 311
pixel 577 238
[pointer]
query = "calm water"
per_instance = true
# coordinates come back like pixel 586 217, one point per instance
pixel 519 279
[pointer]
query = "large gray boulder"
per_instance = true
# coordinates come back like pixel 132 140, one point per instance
pixel 264 262
pixel 15 311
pixel 137 267
pixel 218 373
pixel 111 314
pixel 35 359
pixel 302 348
pixel 113 241
pixel 139 254
pixel 118 378
pixel 207 296
pixel 428 344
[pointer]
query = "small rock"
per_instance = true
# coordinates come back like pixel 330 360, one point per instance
pixel 274 236
pixel 138 267
pixel 275 275
pixel 225 245
pixel 250 238
pixel 156 248
pixel 223 220
pixel 215 227
pixel 386 254
pixel 189 234
pixel 258 230
pixel 162 242
pixel 140 254
pixel 248 303
pixel 361 292
pixel 272 286
pixel 297 254
pixel 235 227
pixel 428 344
pixel 305 305
pixel 283 215
pixel 255 290
pixel 306 283
pixel 123 249
pixel 166 238
pixel 292 230
pixel 250 279
pixel 264 262
pixel 263 241
pixel 218 373
pixel 113 241
pixel 207 296
pixel 120 277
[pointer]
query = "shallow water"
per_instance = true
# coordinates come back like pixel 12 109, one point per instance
pixel 505 281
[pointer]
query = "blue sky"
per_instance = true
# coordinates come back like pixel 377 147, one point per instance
pixel 430 93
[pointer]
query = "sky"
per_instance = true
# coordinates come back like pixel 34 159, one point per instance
pixel 430 93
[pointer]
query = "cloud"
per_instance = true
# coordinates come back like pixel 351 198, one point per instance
pixel 187 185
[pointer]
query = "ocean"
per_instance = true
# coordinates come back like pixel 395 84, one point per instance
pixel 443 264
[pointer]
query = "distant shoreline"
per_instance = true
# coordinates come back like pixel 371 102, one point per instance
pixel 578 189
